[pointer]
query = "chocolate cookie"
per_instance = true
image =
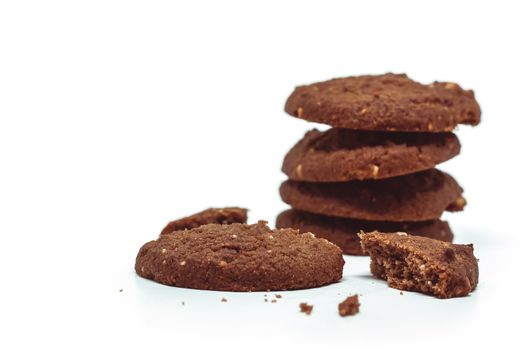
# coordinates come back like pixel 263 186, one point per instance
pixel 208 216
pixel 343 232
pixel 389 102
pixel 240 257
pixel 420 196
pixel 344 154
pixel 421 264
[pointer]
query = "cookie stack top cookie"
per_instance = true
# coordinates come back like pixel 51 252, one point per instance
pixel 377 162
pixel 389 102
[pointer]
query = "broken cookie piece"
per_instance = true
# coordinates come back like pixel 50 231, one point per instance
pixel 208 216
pixel 421 264
pixel 349 306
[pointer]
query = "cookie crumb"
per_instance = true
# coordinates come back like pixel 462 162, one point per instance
pixel 307 309
pixel 349 306
pixel 278 296
pixel 401 293
pixel 274 300
pixel 224 300
pixel 121 290
pixel 183 303
pixel 265 300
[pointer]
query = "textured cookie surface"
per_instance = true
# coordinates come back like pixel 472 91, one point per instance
pixel 343 232
pixel 389 102
pixel 209 216
pixel 344 154
pixel 421 264
pixel 240 257
pixel 420 196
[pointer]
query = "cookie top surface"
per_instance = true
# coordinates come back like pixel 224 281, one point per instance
pixel 416 197
pixel 343 154
pixel 240 257
pixel 343 232
pixel 440 268
pixel 388 102
pixel 228 215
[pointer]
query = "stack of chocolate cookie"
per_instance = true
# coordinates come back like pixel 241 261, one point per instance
pixel 374 170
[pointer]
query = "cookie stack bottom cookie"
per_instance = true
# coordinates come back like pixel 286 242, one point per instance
pixel 343 231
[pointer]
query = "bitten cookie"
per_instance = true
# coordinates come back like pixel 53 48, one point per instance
pixel 389 102
pixel 208 216
pixel 421 264
pixel 420 196
pixel 240 257
pixel 342 154
pixel 343 232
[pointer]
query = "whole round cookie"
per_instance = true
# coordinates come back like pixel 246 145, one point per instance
pixel 388 102
pixel 343 232
pixel 227 215
pixel 343 154
pixel 420 196
pixel 240 257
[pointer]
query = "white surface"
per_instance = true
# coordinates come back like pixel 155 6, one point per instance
pixel 118 116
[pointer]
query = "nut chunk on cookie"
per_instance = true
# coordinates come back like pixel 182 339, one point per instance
pixel 421 264
pixel 240 257
pixel 208 216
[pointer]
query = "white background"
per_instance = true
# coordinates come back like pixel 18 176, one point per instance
pixel 118 116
